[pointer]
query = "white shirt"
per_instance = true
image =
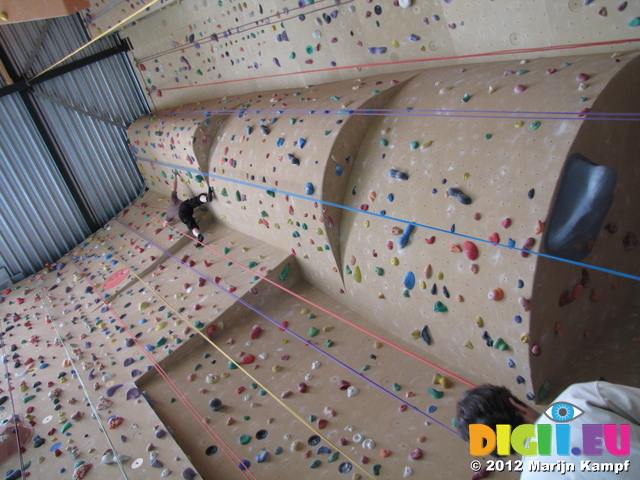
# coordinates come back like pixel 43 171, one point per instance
pixel 602 403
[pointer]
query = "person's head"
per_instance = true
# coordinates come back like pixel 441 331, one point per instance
pixel 491 405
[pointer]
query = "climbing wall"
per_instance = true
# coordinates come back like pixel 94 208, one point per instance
pixel 378 242
pixel 197 49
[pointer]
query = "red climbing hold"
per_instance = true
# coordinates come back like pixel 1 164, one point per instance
pixel 247 359
pixel 494 238
pixel 255 332
pixel 211 330
pixel 470 250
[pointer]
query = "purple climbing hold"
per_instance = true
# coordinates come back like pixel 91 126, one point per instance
pixel 161 432
pixel 188 473
pixel 112 390
pixel 133 393
pixel 128 361
pixel 377 50
pixel 414 38
pixel 396 174
pixel 276 61
pixel 135 372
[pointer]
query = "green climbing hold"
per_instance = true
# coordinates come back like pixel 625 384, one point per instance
pixel 65 427
pixel 173 400
pixel 384 142
pixel 199 178
pixel 488 136
pixel 313 331
pixel 244 439
pixel 309 49
pixel 238 196
pixel 334 456
pixel 500 344
pixel 271 193
pixel 379 271
pixel 405 293
pixel 466 97
pixel 311 316
pixel 543 391
pixel 264 214
pixel 285 272
pixel 329 343
pixel 534 125
pixel 161 341
pixel 396 387
pixel 198 324
pixel 312 418
pixel 164 175
pixel 414 145
pixel 292 121
pixel 365 368
pixel 295 235
pixel 435 393
pixel 252 264
pixel 376 469
pixel 315 464
pixel 28 398
pixel 347 269
pixel 440 307
pixel 232 366
pixel 634 22
pixel 278 450
pixel 224 193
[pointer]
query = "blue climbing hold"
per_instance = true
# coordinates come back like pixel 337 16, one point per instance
pixel 409 281
pixel 309 189
pixel 404 239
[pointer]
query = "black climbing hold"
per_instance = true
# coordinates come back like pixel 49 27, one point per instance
pixel 215 404
pixel 211 450
pixel 424 334
pixel 261 434
pixel 531 193
pixel 345 467
pixel 434 289
pixel 314 440
pixel 457 193
pixel 445 292
pixel 293 159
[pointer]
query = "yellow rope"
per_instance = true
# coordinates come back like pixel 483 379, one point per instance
pixel 112 29
pixel 275 397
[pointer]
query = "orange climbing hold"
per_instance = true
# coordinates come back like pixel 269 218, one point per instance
pixel 496 294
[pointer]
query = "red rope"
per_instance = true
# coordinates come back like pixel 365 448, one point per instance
pixel 413 60
pixel 190 407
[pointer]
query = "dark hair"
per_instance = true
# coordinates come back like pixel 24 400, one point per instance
pixel 488 405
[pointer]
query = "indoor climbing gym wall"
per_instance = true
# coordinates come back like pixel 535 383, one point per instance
pixel 410 199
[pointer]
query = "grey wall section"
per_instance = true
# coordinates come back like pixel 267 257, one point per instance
pixel 39 220
pixel 84 115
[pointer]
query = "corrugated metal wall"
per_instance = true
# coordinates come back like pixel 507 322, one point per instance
pixel 85 113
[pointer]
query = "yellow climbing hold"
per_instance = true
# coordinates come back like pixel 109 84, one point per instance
pixel 415 334
pixel 479 322
pixel 395 43
pixel 426 145
pixel 466 176
pixel 524 338
pixel 423 284
pixel 366 223
pixel 143 305
pixel 440 275
pixel 467 344
pixel 357 276
pixel 395 261
pixel 519 124
pixel 380 295
pixel 377 344
pixel 304 311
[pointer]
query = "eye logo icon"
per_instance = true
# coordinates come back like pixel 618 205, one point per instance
pixel 563 412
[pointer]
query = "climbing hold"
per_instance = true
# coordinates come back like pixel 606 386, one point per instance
pixel 519 88
pixel 535 349
pixel 357 275
pixel 424 334
pixel 404 238
pixel 409 281
pixel 496 294
pixel 440 307
pixel 309 189
pixel 470 250
pixel 457 193
pixel 397 174
pixel 528 243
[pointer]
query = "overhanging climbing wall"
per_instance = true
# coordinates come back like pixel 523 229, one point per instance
pixel 435 170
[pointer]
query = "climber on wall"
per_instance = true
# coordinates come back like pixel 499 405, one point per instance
pixel 184 209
